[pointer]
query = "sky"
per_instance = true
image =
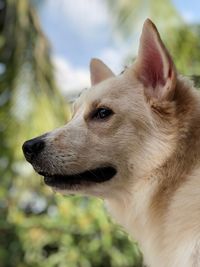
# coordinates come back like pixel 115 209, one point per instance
pixel 79 30
pixel 189 9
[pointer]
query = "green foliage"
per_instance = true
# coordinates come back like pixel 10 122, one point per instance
pixel 70 232
pixel 196 80
pixel 183 43
pixel 182 40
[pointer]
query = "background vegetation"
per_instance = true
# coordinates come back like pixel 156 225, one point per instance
pixel 37 228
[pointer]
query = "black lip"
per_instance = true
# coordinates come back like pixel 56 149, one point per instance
pixel 98 175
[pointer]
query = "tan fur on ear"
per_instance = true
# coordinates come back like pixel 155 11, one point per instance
pixel 154 65
pixel 99 71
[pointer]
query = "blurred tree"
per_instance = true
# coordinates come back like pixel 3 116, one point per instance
pixel 196 80
pixel 182 40
pixel 26 73
pixel 26 85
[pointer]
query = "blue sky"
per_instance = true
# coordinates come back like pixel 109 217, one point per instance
pixel 190 10
pixel 79 30
pixel 75 32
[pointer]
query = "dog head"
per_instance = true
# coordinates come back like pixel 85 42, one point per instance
pixel 122 127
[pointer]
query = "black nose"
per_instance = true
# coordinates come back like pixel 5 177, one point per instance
pixel 32 148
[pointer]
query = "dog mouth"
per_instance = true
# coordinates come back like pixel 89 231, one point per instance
pixel 88 177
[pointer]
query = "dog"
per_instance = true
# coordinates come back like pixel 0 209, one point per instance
pixel 134 141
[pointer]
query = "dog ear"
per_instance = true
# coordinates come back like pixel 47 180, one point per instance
pixel 99 71
pixel 154 66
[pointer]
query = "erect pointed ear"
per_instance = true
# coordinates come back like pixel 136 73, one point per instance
pixel 154 66
pixel 99 71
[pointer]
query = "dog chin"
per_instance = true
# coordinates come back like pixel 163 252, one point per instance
pixel 75 182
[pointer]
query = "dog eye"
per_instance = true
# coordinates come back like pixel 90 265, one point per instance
pixel 102 113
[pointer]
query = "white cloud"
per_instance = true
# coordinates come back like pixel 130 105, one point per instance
pixel 188 16
pixel 70 80
pixel 114 58
pixel 84 15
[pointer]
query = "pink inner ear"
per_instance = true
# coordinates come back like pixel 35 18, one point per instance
pixel 151 72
